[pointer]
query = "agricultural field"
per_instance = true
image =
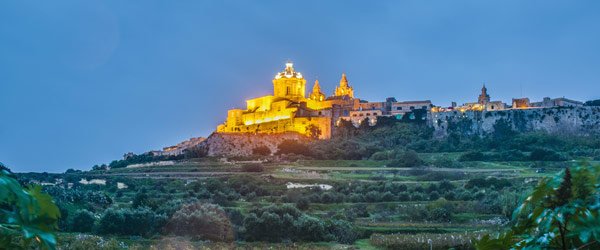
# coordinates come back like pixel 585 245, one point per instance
pixel 388 187
pixel 379 201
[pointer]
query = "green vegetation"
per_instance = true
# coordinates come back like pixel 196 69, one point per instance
pixel 27 216
pixel 561 213
pixel 390 186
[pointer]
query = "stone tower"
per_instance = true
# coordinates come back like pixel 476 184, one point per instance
pixel 316 94
pixel 289 84
pixel 344 88
pixel 484 98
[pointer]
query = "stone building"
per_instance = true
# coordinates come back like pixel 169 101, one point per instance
pixel 548 102
pixel 289 110
pixel 483 103
pixel 521 103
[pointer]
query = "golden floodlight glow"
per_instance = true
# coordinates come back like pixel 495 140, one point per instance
pixel 279 112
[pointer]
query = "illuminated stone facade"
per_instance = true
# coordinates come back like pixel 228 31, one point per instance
pixel 344 89
pixel 287 110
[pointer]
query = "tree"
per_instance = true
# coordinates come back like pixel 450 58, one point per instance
pixel 125 221
pixel 406 159
pixel 592 103
pixel 141 200
pixel 26 213
pixel 553 217
pixel 82 221
pixel 313 131
pixel 206 221
pixel 303 203
pixel 544 155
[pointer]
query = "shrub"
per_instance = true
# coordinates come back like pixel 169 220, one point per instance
pixel 252 168
pixel 407 159
pixel 204 221
pixel 293 147
pixel 472 156
pixel 440 210
pixel 544 155
pixel 261 150
pixel 303 203
pixel 445 162
pixel 380 156
pixel 82 221
pixel 141 221
pixel 276 223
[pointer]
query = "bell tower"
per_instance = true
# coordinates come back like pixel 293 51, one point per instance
pixel 484 98
pixel 344 88
pixel 316 94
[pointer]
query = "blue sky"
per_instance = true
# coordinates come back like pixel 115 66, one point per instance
pixel 82 82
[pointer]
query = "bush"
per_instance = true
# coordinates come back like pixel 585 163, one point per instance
pixel 407 159
pixel 445 162
pixel 440 210
pixel 252 168
pixel 380 156
pixel 141 222
pixel 282 223
pixel 204 221
pixel 293 147
pixel 261 150
pixel 544 155
pixel 303 203
pixel 82 221
pixel 489 182
pixel 472 156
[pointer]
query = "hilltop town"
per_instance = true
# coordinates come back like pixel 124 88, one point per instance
pixel 290 110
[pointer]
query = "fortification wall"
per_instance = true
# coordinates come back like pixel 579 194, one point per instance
pixel 566 120
pixel 242 144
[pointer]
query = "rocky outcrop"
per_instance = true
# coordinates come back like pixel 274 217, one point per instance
pixel 565 120
pixel 238 144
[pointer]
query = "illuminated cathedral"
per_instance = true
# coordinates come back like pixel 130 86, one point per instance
pixel 289 110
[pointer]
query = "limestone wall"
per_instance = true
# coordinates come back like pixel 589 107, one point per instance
pixel 241 144
pixel 566 120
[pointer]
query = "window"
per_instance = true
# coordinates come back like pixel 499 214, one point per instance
pixel 412 107
pixel 424 107
pixel 398 108
pixel 287 90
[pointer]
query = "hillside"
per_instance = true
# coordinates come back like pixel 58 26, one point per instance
pixel 384 186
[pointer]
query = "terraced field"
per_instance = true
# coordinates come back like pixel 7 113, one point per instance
pixel 378 217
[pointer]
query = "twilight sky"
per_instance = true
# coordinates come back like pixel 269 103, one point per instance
pixel 82 82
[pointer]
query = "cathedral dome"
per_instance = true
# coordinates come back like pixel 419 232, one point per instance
pixel 288 72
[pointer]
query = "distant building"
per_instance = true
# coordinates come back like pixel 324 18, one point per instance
pixel 548 102
pixel 410 106
pixel 483 104
pixel 521 103
pixel 357 117
pixel 180 147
